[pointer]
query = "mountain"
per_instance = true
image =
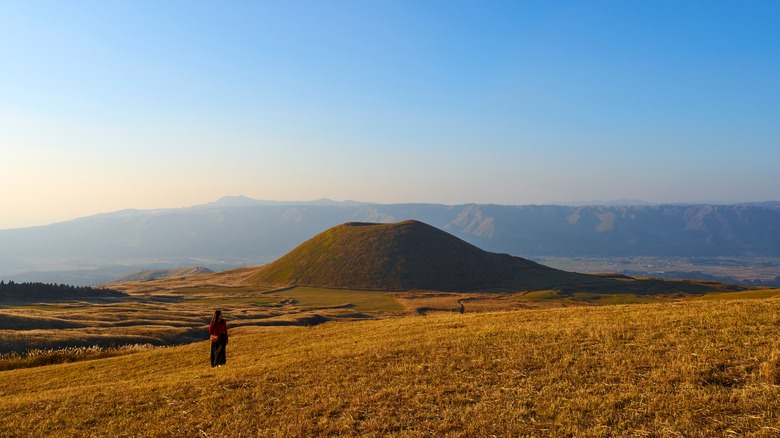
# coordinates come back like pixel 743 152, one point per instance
pixel 227 236
pixel 244 201
pixel 613 202
pixel 761 204
pixel 408 255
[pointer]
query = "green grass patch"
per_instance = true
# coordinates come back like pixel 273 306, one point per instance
pixel 361 300
pixel 221 290
pixel 224 301
pixel 610 299
pixel 539 295
pixel 587 297
pixel 226 295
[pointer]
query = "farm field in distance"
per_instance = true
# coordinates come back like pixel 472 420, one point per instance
pixel 736 268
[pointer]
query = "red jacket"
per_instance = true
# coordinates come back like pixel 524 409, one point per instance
pixel 218 328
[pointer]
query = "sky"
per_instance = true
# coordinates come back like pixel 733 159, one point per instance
pixel 107 106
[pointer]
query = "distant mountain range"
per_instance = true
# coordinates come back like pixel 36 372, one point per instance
pixel 240 231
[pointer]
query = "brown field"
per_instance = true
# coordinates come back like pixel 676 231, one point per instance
pixel 696 368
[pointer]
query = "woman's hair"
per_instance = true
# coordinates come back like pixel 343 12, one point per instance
pixel 217 316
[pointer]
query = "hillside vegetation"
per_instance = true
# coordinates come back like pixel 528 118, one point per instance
pixel 401 256
pixel 694 368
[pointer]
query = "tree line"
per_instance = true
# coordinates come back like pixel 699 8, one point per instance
pixel 26 291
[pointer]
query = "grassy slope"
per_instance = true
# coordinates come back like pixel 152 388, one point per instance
pixel 403 256
pixel 698 368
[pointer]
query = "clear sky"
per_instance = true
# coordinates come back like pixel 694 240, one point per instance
pixel 108 105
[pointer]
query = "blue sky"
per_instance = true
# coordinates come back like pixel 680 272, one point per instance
pixel 150 104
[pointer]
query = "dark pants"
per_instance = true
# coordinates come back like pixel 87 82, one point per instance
pixel 218 351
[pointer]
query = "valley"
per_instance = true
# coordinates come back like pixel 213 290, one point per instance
pixel 759 271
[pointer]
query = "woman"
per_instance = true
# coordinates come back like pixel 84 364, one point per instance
pixel 219 339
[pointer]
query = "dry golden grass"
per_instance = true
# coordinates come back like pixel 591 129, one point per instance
pixel 425 303
pixel 753 294
pixel 171 316
pixel 181 318
pixel 695 368
pixel 35 358
pixel 82 325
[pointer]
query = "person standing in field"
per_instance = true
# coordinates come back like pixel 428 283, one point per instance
pixel 219 338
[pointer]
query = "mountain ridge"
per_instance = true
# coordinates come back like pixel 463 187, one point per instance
pixel 259 234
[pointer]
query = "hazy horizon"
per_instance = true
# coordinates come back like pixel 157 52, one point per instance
pixel 146 105
pixel 598 202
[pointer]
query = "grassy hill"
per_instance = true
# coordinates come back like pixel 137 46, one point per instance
pixel 694 368
pixel 407 255
pixel 401 256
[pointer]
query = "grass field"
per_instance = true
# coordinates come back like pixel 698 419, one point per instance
pixel 586 298
pixel 361 301
pixel 693 368
pixel 177 315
